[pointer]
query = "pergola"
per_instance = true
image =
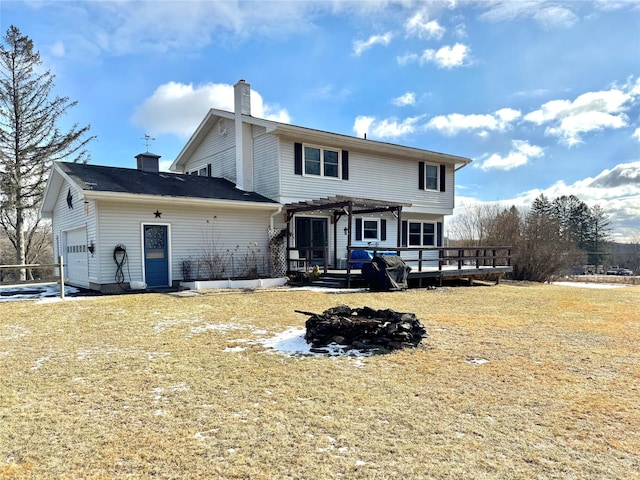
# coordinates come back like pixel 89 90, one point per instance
pixel 340 206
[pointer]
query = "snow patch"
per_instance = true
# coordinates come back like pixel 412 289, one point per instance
pixel 477 361
pixel 591 285
pixel 44 293
pixel 292 342
pixel 14 332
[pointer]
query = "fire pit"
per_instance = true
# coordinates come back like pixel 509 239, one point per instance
pixel 363 329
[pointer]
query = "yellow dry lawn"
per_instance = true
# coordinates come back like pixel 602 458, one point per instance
pixel 517 381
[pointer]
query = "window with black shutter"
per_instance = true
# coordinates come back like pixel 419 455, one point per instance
pixel 431 176
pixel 345 165
pixel 297 154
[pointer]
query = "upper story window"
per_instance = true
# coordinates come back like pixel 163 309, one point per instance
pixel 431 176
pixel 202 172
pixel 321 161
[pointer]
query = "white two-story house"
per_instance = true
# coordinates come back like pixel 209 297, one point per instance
pixel 245 192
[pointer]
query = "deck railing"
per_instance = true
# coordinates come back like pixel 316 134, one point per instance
pixel 306 256
pixel 461 256
pixel 60 265
pixel 458 257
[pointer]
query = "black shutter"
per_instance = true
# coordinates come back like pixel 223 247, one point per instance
pixel 443 169
pixel 345 165
pixel 383 229
pixel 421 175
pixel 358 229
pixel 403 241
pixel 208 170
pixel 439 234
pixel 297 154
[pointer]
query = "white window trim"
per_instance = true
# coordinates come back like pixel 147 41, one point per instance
pixel 377 237
pixel 322 149
pixel 422 222
pixel 437 167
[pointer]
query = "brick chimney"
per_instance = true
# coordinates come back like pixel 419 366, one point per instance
pixel 148 162
pixel 244 142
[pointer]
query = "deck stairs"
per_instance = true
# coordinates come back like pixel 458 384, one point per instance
pixel 339 280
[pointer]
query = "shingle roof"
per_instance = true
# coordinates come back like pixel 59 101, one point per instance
pixel 132 181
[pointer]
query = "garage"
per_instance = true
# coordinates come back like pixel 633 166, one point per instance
pixel 77 269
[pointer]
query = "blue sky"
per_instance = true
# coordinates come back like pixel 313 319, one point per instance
pixel 544 96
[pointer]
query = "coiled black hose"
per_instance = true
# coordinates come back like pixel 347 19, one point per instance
pixel 120 257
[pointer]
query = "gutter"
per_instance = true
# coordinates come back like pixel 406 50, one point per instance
pixel 144 198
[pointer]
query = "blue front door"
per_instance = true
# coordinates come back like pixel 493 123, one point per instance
pixel 156 256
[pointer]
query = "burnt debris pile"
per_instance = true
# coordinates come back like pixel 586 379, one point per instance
pixel 363 329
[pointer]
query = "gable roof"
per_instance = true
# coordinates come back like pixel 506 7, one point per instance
pixel 97 181
pixel 313 135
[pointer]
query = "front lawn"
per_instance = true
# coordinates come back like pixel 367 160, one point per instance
pixel 515 381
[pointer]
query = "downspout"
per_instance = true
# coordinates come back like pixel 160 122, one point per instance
pixel 271 217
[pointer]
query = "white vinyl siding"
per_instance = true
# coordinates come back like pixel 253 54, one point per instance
pixel 266 175
pixel 195 231
pixel 217 149
pixel 370 176
pixel 65 219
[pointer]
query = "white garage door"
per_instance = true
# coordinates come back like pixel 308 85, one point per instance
pixel 77 270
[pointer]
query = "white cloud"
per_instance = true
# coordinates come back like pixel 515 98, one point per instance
pixel 387 128
pixel 455 123
pixel 589 112
pixel 57 49
pixel 447 56
pixel 520 155
pixel 420 26
pixel 177 108
pixel 408 98
pixel 636 134
pixel 360 46
pixel 362 125
pixel 407 59
pixel 634 88
pixel 621 203
pixel 460 31
pixel 136 27
pixel 546 13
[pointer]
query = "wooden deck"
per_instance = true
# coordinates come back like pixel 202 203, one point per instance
pixel 430 266
pixel 417 278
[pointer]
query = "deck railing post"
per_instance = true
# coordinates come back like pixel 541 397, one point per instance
pixel 61 268
pixel 478 258
pixel 325 253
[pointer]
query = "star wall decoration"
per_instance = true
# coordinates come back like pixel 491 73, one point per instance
pixel 157 213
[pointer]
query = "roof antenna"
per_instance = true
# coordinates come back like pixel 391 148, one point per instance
pixel 146 139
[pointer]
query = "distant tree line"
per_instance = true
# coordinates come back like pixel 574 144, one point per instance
pixel 548 239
